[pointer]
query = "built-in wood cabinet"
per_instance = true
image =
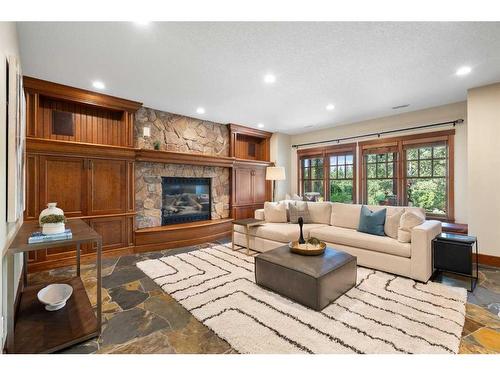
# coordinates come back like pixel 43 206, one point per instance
pixel 249 186
pixel 108 184
pixel 88 171
pixel 250 189
pixel 63 179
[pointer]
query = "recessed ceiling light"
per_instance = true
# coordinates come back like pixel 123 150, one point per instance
pixel 98 85
pixel 464 70
pixel 269 78
pixel 260 125
pixel 200 110
pixel 330 107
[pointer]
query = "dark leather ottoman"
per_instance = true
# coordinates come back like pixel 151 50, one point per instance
pixel 313 281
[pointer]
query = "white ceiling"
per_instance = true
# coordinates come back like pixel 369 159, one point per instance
pixel 362 68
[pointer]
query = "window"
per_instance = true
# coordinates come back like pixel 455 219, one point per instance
pixel 328 173
pixel 415 170
pixel 381 178
pixel 426 177
pixel 341 178
pixel 312 172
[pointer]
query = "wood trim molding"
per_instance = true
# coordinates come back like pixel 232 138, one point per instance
pixel 54 147
pixel 172 157
pixel 489 260
pixel 240 129
pixel 178 235
pixel 403 138
pixel 59 91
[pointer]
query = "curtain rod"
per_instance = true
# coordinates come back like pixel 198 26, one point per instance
pixel 378 134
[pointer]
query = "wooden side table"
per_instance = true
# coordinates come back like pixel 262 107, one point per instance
pixel 453 253
pixel 247 223
pixel 36 330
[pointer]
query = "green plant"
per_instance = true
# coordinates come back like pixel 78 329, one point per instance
pixel 52 219
pixel 313 241
pixel 156 145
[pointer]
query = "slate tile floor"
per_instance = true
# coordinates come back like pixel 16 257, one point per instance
pixel 138 317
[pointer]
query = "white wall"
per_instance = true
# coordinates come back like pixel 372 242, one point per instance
pixel 280 144
pixel 427 116
pixel 483 110
pixel 8 47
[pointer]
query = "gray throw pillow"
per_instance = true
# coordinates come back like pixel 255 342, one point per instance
pixel 299 209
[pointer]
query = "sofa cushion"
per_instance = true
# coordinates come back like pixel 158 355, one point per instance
pixel 345 215
pixel 280 232
pixel 372 222
pixel 351 237
pixel 320 212
pixel 299 209
pixel 410 219
pixel 275 212
pixel 391 225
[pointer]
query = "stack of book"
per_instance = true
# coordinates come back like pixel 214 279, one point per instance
pixel 38 237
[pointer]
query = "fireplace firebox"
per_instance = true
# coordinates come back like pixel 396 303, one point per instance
pixel 185 199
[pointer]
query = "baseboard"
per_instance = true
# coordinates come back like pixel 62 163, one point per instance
pixel 489 260
pixel 17 300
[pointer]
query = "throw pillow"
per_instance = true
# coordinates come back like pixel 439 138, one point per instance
pixel 275 212
pixel 392 223
pixel 404 236
pixel 372 222
pixel 410 219
pixel 299 209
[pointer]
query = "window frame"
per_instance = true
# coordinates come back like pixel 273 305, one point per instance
pixel 325 153
pixel 400 145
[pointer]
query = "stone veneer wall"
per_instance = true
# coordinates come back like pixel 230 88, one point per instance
pixel 181 134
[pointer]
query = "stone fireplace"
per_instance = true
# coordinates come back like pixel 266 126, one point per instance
pixel 149 194
pixel 178 133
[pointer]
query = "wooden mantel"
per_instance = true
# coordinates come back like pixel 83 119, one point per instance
pixel 171 157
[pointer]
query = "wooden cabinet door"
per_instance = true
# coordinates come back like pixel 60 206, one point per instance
pixel 114 231
pixel 259 185
pixel 63 180
pixel 243 186
pixel 108 187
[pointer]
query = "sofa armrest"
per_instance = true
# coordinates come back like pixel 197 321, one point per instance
pixel 421 249
pixel 259 214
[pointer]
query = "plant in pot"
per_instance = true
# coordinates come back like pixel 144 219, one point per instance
pixel 156 145
pixel 52 219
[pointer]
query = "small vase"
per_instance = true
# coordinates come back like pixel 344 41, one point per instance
pixel 51 228
pixel 301 238
pixel 51 209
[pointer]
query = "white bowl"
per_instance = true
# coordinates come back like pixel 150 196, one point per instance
pixel 54 296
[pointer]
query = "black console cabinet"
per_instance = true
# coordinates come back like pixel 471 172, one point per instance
pixel 454 253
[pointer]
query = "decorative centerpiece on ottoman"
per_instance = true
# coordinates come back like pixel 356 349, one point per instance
pixel 52 219
pixel 314 281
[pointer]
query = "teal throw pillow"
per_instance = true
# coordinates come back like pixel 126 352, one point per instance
pixel 372 222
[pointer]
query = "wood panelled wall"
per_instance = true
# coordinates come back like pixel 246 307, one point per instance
pixel 89 174
pixel 103 122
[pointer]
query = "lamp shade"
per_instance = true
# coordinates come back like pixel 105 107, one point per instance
pixel 275 173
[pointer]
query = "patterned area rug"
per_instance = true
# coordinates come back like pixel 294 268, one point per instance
pixel 383 313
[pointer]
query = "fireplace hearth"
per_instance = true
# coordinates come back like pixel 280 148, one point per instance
pixel 185 199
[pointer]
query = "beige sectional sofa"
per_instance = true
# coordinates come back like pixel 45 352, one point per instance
pixel 337 223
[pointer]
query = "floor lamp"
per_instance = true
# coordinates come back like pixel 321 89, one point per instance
pixel 275 174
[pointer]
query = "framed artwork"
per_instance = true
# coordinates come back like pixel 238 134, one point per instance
pixel 16 141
